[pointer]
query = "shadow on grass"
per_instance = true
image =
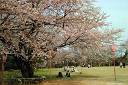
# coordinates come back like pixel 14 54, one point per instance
pixel 73 77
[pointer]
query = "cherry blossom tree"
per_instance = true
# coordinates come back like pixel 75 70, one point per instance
pixel 38 28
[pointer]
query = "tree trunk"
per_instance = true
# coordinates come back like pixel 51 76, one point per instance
pixel 1 71
pixel 26 68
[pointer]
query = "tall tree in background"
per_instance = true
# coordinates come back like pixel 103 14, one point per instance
pixel 124 53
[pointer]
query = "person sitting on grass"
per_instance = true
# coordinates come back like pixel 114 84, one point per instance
pixel 60 75
pixel 89 66
pixel 67 74
pixel 121 64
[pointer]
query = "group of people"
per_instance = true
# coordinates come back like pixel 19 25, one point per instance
pixel 60 75
pixel 122 65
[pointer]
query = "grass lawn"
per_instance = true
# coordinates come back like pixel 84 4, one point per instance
pixel 96 74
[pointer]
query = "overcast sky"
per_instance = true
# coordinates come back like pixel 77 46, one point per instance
pixel 118 11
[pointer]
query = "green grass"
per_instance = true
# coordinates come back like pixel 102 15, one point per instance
pixel 95 73
pixel 12 74
pixel 104 73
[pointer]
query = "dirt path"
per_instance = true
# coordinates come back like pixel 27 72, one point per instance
pixel 82 82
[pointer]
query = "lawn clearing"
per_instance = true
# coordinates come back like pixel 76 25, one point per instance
pixel 95 73
pixel 87 76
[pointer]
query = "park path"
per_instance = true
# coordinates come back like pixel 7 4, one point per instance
pixel 79 82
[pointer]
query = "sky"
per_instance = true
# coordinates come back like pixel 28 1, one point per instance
pixel 118 14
